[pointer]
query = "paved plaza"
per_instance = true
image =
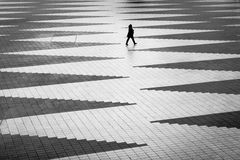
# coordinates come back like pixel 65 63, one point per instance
pixel 71 89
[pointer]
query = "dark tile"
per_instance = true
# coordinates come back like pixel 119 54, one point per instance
pixel 20 80
pixel 18 46
pixel 216 35
pixel 231 64
pixel 87 147
pixel 35 25
pixel 17 60
pixel 197 25
pixel 220 87
pixel 227 119
pixel 174 18
pixel 191 10
pixel 45 34
pixel 18 107
pixel 219 48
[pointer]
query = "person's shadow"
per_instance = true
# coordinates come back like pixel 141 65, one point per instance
pixel 131 48
pixel 130 54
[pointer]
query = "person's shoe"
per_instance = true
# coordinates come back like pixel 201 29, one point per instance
pixel 126 44
pixel 135 43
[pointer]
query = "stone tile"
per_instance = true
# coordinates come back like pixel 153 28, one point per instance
pixel 21 107
pixel 220 87
pixel 215 35
pixel 228 119
pixel 57 147
pixel 218 48
pixel 71 60
pixel 17 60
pixel 36 79
pixel 17 46
pixel 220 64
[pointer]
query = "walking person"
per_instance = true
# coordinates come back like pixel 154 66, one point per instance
pixel 130 35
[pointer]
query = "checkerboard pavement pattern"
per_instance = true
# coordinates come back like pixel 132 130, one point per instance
pixel 71 89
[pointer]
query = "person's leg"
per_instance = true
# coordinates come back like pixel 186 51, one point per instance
pixel 127 40
pixel 133 40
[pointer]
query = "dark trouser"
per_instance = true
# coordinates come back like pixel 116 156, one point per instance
pixel 132 40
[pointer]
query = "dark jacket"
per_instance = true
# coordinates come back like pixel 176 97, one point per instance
pixel 130 33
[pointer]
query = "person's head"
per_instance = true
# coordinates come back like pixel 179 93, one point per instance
pixel 130 26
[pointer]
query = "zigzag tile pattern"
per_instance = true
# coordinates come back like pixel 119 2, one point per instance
pixel 216 35
pixel 231 64
pixel 20 80
pixel 16 60
pixel 220 48
pixel 71 89
pixel 227 87
pixel 48 148
pixel 30 46
pixel 21 107
pixel 228 119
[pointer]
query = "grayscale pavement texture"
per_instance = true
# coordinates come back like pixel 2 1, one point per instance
pixel 71 89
